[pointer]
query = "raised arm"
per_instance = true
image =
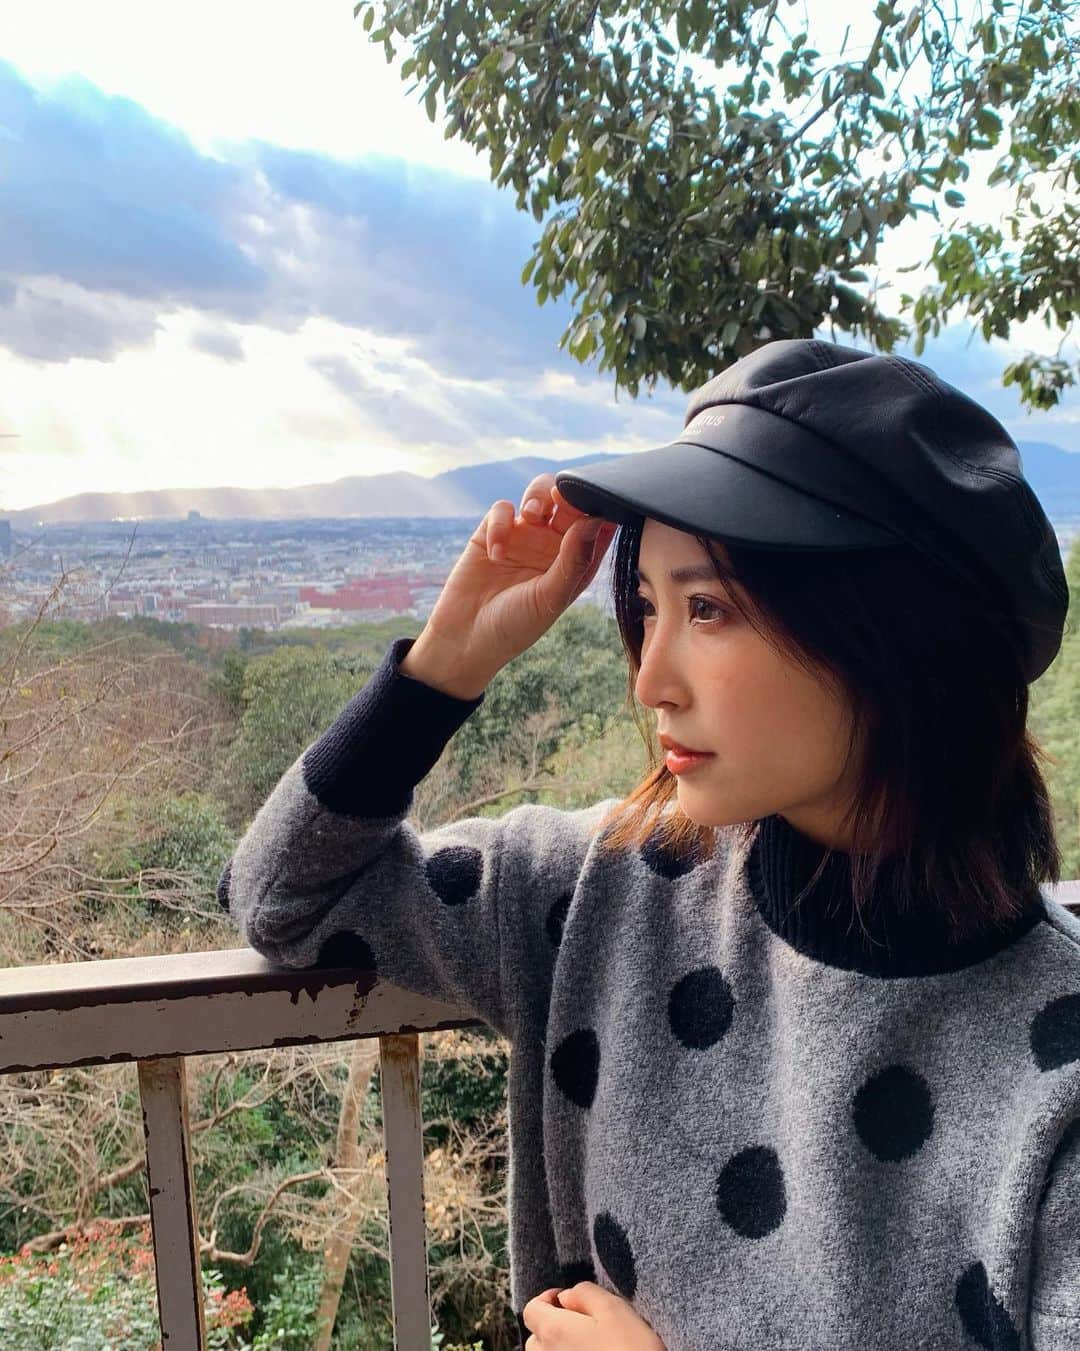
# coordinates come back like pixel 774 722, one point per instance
pixel 332 872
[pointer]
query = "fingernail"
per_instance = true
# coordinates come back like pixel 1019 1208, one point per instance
pixel 531 507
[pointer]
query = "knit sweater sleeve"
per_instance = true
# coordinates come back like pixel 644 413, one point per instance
pixel 332 872
pixel 1054 1307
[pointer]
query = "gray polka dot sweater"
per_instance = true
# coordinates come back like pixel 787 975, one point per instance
pixel 763 1126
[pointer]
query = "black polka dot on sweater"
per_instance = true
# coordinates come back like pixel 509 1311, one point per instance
pixel 750 1192
pixel 454 873
pixel 616 1256
pixel 345 948
pixel 556 917
pixel 893 1113
pixel 223 886
pixel 700 1008
pixel 1055 1033
pixel 982 1314
pixel 575 1066
pixel 572 1272
pixel 666 861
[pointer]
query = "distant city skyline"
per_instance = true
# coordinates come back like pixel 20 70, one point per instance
pixel 276 271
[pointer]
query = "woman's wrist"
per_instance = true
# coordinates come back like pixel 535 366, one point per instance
pixel 443 666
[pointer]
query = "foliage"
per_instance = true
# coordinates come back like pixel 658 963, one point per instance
pixel 287 1314
pixel 437 1344
pixel 469 1091
pixel 191 836
pixel 667 151
pixel 1054 718
pixel 575 671
pixel 290 696
pixel 98 1293
pixel 228 680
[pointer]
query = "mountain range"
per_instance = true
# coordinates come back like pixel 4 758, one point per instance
pixel 1053 473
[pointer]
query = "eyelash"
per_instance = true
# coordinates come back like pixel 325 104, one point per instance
pixel 638 601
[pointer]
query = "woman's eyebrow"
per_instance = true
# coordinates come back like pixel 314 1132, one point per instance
pixel 697 573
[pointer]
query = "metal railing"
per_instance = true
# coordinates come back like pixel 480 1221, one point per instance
pixel 157 1010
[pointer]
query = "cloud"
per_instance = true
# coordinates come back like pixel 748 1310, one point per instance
pixel 51 320
pixel 398 287
pixel 217 342
pixel 126 205
pixel 420 405
pixel 130 209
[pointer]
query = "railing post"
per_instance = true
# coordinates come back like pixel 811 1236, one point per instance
pixel 163 1089
pixel 403 1135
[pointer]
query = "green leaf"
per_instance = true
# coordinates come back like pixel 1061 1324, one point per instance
pixel 851 222
pixel 913 21
pixel 888 121
pixel 558 142
pixel 954 198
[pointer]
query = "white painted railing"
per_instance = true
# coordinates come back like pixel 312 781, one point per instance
pixel 157 1010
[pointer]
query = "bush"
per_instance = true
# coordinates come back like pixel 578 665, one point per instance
pixel 192 837
pixel 97 1293
pixel 287 1316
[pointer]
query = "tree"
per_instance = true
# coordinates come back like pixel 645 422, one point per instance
pixel 698 216
pixel 289 696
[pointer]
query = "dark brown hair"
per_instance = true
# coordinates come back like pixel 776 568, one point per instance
pixel 930 669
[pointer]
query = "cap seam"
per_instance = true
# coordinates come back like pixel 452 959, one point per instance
pixel 823 356
pixel 1028 507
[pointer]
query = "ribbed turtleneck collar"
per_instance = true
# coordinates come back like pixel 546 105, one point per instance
pixel 824 924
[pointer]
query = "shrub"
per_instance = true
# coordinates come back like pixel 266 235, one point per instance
pixel 97 1293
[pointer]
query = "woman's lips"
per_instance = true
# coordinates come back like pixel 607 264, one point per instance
pixel 679 763
pixel 670 744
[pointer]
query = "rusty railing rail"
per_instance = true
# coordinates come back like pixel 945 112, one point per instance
pixel 158 1010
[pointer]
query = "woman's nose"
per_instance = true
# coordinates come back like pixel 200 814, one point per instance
pixel 657 680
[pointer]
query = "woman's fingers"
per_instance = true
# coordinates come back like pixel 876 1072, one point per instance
pixel 499 520
pixel 541 504
pixel 536 503
pixel 565 514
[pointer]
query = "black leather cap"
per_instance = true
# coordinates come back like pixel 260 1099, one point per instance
pixel 805 444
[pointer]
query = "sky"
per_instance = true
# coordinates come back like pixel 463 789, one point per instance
pixel 235 251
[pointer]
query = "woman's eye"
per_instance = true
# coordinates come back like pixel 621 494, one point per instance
pixel 696 604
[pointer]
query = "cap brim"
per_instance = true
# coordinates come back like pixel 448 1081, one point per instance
pixel 708 490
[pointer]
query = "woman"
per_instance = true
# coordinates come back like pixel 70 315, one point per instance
pixel 796 1036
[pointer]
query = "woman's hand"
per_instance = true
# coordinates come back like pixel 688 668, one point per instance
pixel 586 1317
pixel 518 573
